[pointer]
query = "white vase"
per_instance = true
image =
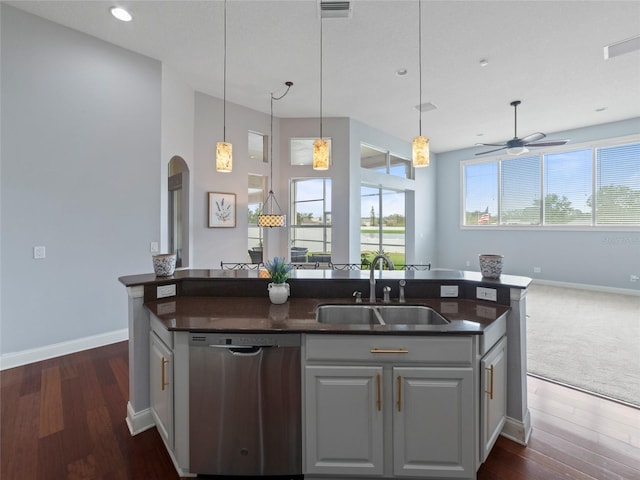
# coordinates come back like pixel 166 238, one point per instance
pixel 278 292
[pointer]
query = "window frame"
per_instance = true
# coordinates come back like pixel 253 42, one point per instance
pixel 326 226
pixel 593 145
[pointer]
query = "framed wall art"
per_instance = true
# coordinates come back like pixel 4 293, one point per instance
pixel 222 210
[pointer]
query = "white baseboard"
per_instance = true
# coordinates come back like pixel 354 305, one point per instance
pixel 138 422
pixel 16 359
pixel 586 286
pixel 518 430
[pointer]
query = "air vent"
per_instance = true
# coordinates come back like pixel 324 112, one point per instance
pixel 335 9
pixel 626 46
pixel 426 107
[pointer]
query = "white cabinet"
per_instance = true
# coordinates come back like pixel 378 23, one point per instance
pixel 493 396
pixel 161 385
pixel 344 420
pixel 433 422
pixel 389 406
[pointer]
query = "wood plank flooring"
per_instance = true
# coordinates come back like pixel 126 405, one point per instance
pixel 64 419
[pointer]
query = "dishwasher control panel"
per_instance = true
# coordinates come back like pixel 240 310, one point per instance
pixel 241 339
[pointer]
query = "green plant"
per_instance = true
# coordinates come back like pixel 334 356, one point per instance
pixel 278 269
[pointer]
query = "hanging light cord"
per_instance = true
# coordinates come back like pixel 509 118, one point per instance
pixel 224 87
pixel 271 197
pixel 320 77
pixel 420 62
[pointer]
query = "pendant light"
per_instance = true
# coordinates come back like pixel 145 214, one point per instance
pixel 320 145
pixel 224 155
pixel 420 145
pixel 268 217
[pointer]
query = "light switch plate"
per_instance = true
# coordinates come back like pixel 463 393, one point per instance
pixel 164 291
pixel 484 293
pixel 448 290
pixel 39 252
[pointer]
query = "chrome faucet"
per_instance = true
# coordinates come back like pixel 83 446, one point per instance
pixel 372 280
pixel 401 298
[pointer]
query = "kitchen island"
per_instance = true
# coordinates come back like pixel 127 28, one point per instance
pixel 207 301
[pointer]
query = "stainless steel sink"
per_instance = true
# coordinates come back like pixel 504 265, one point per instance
pixel 411 315
pixel 379 315
pixel 348 315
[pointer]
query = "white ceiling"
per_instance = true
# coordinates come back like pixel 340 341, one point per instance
pixel 549 54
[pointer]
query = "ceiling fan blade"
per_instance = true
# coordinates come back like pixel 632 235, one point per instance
pixel 554 143
pixel 491 151
pixel 534 137
pixel 490 145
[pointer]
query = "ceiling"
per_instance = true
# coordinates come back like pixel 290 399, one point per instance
pixel 548 54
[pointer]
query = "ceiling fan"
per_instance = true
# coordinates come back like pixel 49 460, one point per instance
pixel 516 145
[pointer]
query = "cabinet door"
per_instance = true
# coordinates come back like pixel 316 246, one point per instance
pixel 343 420
pixel 433 424
pixel 161 387
pixel 493 396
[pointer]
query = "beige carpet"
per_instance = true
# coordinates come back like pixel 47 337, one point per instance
pixel 587 339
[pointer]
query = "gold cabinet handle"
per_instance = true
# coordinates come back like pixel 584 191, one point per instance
pixel 490 391
pixel 399 380
pixel 389 350
pixel 379 389
pixel 163 364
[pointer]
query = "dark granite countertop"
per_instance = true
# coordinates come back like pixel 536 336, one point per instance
pixel 511 281
pixel 297 315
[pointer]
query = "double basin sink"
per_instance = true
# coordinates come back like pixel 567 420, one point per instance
pixel 379 315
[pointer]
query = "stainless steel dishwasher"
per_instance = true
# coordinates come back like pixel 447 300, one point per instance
pixel 244 404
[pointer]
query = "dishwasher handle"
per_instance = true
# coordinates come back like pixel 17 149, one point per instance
pixel 242 349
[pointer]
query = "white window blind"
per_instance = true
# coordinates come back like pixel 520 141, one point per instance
pixel 618 185
pixel 568 186
pixel 520 187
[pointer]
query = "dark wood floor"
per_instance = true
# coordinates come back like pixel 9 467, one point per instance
pixel 64 419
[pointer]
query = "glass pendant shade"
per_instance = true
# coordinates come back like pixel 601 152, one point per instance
pixel 272 220
pixel 320 154
pixel 420 152
pixel 224 157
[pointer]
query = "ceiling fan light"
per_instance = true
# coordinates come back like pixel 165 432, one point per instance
pixel 320 154
pixel 224 157
pixel 420 147
pixel 517 150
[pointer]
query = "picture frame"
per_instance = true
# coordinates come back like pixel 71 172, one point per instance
pixel 222 210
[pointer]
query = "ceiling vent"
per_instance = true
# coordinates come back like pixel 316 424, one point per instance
pixel 426 107
pixel 329 9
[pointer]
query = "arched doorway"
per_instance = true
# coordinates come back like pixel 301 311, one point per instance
pixel 179 210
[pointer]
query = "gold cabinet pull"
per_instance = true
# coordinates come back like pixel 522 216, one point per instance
pixel 379 391
pixel 399 380
pixel 389 350
pixel 490 391
pixel 164 363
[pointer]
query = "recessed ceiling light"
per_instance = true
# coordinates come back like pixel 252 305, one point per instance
pixel 601 109
pixel 484 62
pixel 479 134
pixel 401 72
pixel 121 14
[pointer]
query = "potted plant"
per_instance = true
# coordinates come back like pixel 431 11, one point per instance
pixel 279 272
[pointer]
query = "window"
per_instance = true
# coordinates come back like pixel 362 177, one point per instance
pixel 302 151
pixel 372 158
pixel 311 214
pixel 382 223
pixel 256 197
pixel 258 144
pixel 595 186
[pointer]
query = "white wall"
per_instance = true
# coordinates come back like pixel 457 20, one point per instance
pixel 178 106
pixel 80 176
pixel 598 257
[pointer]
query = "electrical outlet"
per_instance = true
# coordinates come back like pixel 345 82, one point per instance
pixel 537 269
pixel 484 293
pixel 448 290
pixel 154 247
pixel 634 278
pixel 166 291
pixel 468 263
pixel 39 252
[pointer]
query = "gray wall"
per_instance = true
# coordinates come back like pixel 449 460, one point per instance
pixel 80 175
pixel 597 257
